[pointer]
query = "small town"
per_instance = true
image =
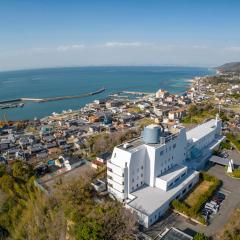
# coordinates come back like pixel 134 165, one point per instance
pixel 201 128
pixel 119 120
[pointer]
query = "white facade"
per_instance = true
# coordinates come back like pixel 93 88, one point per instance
pixel 148 173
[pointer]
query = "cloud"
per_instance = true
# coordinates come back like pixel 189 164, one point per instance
pixel 199 47
pixel 40 49
pixel 64 48
pixel 233 48
pixel 125 44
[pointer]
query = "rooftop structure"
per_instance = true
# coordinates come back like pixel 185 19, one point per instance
pixel 175 234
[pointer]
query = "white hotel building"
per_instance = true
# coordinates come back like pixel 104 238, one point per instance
pixel 149 172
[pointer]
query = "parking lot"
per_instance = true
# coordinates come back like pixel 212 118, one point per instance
pixel 230 188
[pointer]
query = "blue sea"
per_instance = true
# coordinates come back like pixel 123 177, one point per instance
pixel 42 83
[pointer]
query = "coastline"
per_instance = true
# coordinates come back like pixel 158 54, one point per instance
pixel 193 82
pixel 175 80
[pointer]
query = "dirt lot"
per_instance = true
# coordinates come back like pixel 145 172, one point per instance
pixel 192 198
pixel 84 171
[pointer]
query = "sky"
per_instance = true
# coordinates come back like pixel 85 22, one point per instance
pixel 55 33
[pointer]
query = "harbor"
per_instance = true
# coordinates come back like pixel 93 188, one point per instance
pixel 19 102
pixel 56 90
pixel 11 105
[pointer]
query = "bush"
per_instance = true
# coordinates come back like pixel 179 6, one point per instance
pixel 200 236
pixel 234 139
pixel 193 212
pixel 226 145
pixel 236 173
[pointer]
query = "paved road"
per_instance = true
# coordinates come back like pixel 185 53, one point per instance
pixel 235 155
pixel 230 187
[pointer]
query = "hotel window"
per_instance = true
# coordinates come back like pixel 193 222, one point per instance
pixel 183 174
pixel 141 175
pixel 142 167
pixel 176 179
pixel 174 145
pixel 161 153
pixel 133 180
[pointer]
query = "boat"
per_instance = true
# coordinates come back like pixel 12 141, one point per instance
pixel 6 106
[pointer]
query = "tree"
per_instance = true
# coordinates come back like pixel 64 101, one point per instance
pixel 7 183
pixel 200 236
pixel 42 219
pixel 2 169
pixel 88 219
pixel 22 170
pixel 3 233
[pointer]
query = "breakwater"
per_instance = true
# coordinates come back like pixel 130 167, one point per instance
pixel 74 81
pixel 41 100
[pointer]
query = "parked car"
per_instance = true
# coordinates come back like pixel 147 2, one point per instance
pixel 206 216
pixel 220 195
pixel 207 210
pixel 217 200
pixel 212 207
pixel 215 204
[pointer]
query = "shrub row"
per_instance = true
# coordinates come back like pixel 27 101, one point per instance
pixel 207 195
pixel 183 208
pixel 193 212
pixel 236 173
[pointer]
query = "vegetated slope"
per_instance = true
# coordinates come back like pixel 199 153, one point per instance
pixel 230 67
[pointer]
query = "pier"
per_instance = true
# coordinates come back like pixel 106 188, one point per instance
pixel 136 93
pixel 41 100
pixel 72 97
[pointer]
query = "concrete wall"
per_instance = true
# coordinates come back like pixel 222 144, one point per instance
pixel 136 169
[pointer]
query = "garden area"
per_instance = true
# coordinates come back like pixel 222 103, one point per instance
pixel 235 173
pixel 196 199
pixel 233 139
pixel 201 189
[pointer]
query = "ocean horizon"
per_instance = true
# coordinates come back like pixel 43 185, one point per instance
pixel 62 81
